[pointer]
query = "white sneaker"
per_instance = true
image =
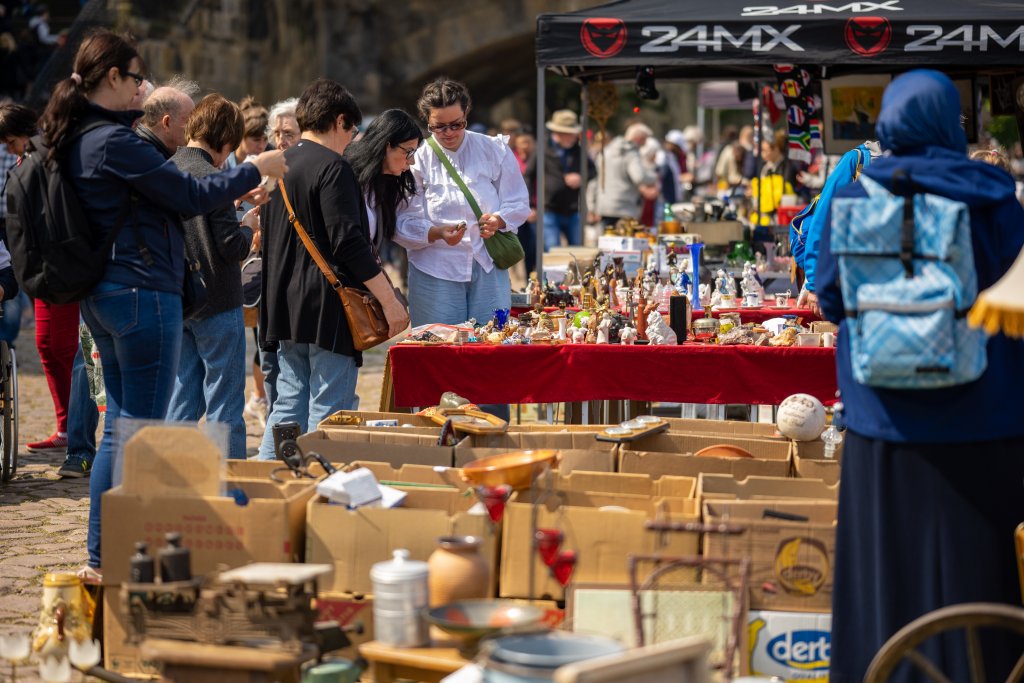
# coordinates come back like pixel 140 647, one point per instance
pixel 257 407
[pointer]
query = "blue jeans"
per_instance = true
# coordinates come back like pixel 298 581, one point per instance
pixel 433 300
pixel 138 332
pixel 558 224
pixel 83 416
pixel 270 368
pixel 211 376
pixel 10 324
pixel 312 384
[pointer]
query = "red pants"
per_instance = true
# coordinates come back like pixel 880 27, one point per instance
pixel 57 339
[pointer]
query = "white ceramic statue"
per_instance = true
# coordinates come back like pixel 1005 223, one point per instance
pixel 627 335
pixel 603 329
pixel 579 335
pixel 658 331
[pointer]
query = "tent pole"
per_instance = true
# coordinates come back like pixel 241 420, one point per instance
pixel 541 153
pixel 584 166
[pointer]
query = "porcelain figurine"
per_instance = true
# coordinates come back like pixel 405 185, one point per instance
pixel 627 335
pixel 579 335
pixel 658 331
pixel 602 329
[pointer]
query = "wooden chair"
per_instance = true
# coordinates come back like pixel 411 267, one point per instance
pixel 678 661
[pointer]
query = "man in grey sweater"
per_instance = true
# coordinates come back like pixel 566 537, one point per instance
pixel 623 180
pixel 211 370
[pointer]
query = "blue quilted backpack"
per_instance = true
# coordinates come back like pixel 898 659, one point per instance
pixel 906 270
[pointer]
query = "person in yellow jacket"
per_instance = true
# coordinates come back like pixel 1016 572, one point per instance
pixel 776 177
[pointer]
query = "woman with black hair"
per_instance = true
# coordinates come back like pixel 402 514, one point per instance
pixel 135 312
pixel 381 159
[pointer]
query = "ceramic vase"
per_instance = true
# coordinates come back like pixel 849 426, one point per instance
pixel 458 571
pixel 66 615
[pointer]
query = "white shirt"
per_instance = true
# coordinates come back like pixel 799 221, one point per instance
pixel 491 172
pixel 371 218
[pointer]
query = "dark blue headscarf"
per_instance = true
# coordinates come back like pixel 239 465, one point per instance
pixel 921 108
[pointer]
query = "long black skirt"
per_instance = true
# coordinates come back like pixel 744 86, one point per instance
pixel 923 526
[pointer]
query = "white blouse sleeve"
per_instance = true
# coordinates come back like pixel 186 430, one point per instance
pixel 412 226
pixel 512 192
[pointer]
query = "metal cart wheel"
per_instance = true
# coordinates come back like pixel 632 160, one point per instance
pixel 9 411
pixel 968 617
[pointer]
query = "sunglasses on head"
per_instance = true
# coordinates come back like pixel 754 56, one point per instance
pixel 447 127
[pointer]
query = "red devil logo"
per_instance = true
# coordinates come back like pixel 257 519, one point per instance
pixel 868 36
pixel 603 37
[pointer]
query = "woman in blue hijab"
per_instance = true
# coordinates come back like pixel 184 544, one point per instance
pixel 932 480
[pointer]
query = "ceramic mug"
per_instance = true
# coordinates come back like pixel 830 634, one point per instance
pixel 828 339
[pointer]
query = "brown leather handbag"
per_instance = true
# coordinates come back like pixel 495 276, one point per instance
pixel 364 313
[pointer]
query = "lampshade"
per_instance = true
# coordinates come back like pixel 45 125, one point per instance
pixel 1000 308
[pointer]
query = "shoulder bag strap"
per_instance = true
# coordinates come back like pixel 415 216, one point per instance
pixel 311 247
pixel 446 162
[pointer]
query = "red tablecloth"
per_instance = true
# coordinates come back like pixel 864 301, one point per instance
pixel 690 373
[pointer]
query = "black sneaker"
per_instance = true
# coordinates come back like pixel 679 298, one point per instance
pixel 75 467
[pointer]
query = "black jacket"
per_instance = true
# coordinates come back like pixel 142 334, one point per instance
pixel 559 197
pixel 149 136
pixel 298 303
pixel 215 239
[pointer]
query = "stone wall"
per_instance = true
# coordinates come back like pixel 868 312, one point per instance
pixel 382 50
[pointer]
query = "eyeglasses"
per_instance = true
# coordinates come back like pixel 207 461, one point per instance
pixel 138 79
pixel 447 127
pixel 287 136
pixel 409 153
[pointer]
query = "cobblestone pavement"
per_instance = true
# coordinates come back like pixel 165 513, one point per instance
pixel 43 517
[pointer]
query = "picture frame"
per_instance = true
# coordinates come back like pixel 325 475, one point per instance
pixel 850 107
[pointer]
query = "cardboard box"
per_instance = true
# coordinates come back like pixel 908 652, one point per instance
pixel 634 462
pixel 725 487
pixel 120 656
pixel 395 446
pixel 270 527
pixel 366 415
pixel 809 461
pixel 791 562
pixel 579 449
pixel 348 609
pixel 602 538
pixel 352 541
pixel 792 646
pixel 764 449
pixel 260 470
pixel 685 425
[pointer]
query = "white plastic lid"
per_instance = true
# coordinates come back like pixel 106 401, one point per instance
pixel 401 568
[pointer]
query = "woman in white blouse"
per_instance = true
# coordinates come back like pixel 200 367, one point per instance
pixel 451 276
pixel 381 160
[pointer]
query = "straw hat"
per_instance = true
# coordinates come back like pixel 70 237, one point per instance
pixel 564 121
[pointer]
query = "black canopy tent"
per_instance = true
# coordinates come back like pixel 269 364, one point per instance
pixel 741 40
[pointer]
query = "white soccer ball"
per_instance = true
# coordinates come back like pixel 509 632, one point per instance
pixel 801 417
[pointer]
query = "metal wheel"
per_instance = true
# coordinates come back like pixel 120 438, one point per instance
pixel 968 617
pixel 9 411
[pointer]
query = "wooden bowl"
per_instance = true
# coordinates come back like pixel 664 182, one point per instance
pixel 518 469
pixel 724 450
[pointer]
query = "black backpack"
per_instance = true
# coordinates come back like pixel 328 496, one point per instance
pixel 57 255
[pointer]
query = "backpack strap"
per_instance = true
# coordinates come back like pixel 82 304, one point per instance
pixel 92 123
pixel 901 177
